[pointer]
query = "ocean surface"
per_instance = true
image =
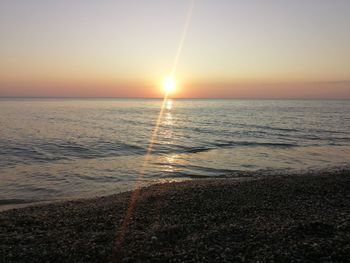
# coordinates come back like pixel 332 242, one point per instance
pixel 53 149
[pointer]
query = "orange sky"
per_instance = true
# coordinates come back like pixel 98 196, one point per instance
pixel 231 49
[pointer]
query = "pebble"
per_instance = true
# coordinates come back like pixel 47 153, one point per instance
pixel 301 218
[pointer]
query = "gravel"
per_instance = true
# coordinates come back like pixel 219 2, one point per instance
pixel 301 218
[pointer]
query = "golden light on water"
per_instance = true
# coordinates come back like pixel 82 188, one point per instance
pixel 169 104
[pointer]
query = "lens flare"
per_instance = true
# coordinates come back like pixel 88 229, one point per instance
pixel 169 85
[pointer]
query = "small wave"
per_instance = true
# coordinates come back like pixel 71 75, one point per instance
pixel 265 127
pixel 42 151
pixel 212 173
pixel 176 148
pixel 197 149
pixel 255 144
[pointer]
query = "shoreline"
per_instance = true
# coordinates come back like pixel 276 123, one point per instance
pixel 289 217
pixel 9 204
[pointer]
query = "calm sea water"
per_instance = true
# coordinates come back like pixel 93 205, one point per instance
pixel 63 148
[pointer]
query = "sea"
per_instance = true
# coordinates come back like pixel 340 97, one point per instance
pixel 64 148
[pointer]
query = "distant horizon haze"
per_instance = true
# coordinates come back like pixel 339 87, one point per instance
pixel 312 90
pixel 222 49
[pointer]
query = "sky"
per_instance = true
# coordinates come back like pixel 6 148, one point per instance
pixel 231 48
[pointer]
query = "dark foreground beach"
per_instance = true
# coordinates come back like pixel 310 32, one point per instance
pixel 287 218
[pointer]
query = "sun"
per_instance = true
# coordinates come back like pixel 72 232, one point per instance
pixel 169 84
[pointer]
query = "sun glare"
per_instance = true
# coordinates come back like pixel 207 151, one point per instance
pixel 169 84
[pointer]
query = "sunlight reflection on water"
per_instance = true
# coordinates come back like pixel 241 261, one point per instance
pixel 56 148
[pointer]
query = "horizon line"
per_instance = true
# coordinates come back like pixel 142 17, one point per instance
pixel 175 98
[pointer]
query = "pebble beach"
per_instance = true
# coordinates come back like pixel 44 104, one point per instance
pixel 294 218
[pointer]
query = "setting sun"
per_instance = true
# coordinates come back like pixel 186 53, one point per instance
pixel 171 131
pixel 169 84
